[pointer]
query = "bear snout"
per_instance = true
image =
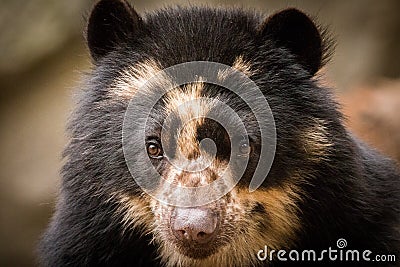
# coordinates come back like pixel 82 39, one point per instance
pixel 194 226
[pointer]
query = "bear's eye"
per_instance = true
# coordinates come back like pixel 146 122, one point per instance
pixel 154 149
pixel 244 149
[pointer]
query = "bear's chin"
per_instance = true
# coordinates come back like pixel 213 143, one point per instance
pixel 196 253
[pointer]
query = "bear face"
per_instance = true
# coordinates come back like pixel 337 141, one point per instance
pixel 186 138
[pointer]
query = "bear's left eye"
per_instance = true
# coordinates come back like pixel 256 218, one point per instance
pixel 154 149
pixel 244 149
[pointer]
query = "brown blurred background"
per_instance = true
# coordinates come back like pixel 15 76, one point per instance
pixel 42 53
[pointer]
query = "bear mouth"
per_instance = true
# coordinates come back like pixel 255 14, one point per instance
pixel 197 252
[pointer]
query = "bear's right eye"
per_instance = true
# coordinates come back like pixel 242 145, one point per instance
pixel 154 149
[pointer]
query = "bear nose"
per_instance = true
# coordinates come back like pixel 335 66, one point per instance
pixel 194 225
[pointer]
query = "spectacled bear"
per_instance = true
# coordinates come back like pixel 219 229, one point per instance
pixel 324 184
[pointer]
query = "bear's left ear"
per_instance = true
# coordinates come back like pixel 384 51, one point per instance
pixel 295 31
pixel 110 23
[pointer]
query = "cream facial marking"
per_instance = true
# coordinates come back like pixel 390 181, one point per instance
pixel 239 64
pixel 134 77
pixel 281 204
pixel 316 142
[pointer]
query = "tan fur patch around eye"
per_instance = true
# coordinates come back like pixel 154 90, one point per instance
pixel 187 142
pixel 185 103
pixel 177 98
pixel 316 142
pixel 239 64
pixel 134 77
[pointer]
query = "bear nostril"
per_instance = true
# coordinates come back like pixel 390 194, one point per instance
pixel 193 235
pixel 180 234
pixel 203 237
pixel 194 225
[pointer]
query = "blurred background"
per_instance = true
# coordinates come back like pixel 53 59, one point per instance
pixel 42 56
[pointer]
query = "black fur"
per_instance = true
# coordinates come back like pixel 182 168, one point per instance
pixel 352 194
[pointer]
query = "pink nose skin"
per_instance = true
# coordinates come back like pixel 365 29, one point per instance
pixel 194 225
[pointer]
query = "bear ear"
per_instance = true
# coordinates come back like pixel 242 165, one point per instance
pixel 111 22
pixel 295 31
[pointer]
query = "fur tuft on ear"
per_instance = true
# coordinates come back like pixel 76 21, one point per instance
pixel 111 22
pixel 295 31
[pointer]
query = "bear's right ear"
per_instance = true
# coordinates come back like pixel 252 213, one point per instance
pixel 111 22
